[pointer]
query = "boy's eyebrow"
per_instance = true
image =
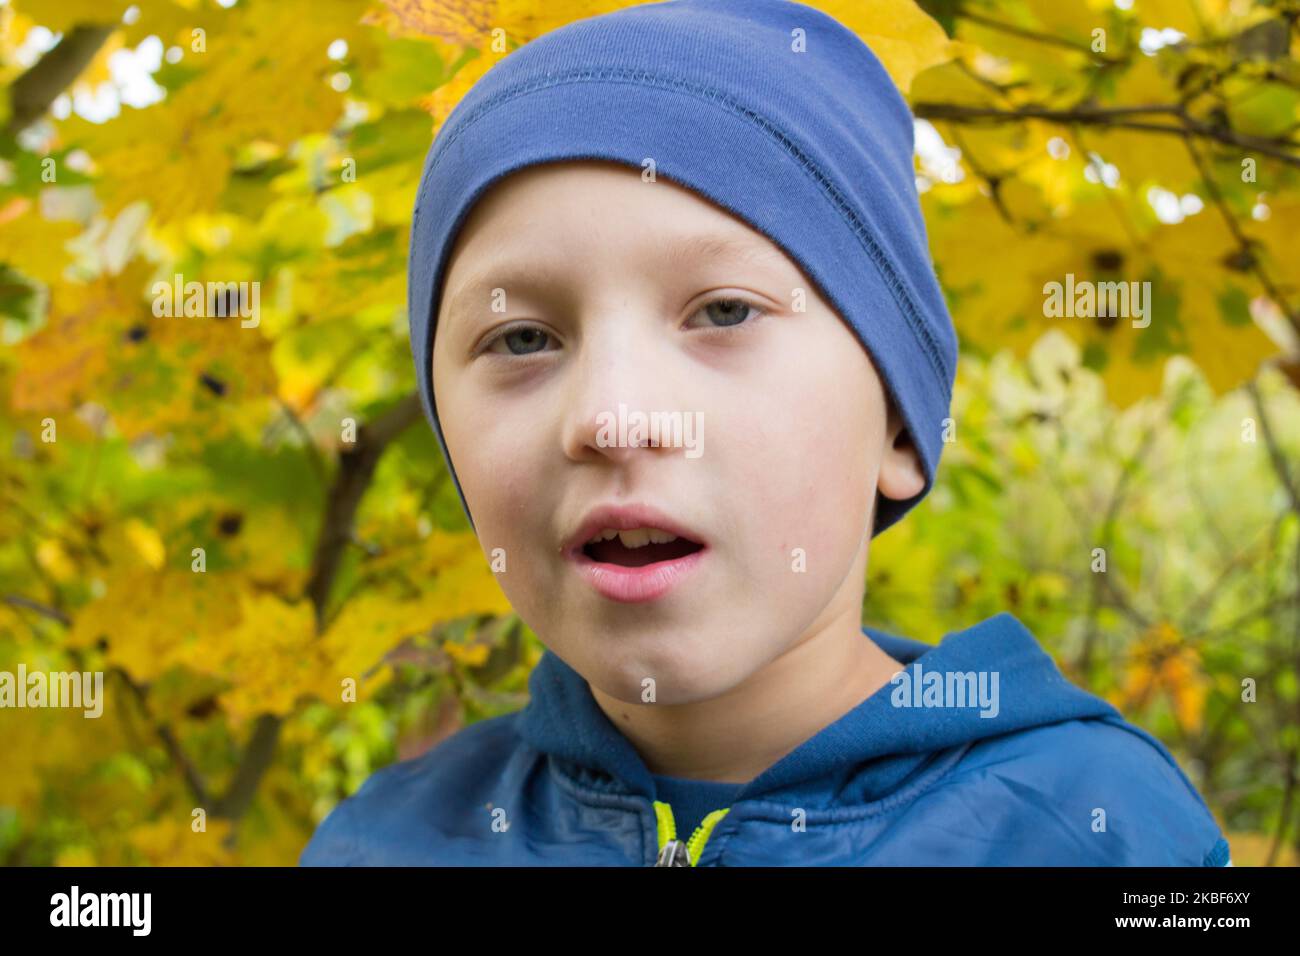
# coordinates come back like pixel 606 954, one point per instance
pixel 496 275
pixel 678 252
pixel 745 248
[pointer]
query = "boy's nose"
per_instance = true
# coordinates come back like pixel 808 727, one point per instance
pixel 616 381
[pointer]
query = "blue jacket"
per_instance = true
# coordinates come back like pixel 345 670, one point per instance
pixel 1050 775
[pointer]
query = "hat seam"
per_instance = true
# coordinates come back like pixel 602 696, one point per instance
pixel 875 251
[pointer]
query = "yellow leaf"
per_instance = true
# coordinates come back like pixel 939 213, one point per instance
pixel 147 543
pixel 949 83
pixel 63 363
pixel 440 102
pixel 75 856
pixel 44 744
pixel 33 244
pixel 172 841
pixel 903 37
pixel 1075 20
pixel 1005 307
pixel 1185 16
pixel 63 16
pixel 154 621
pixel 1163 662
pixel 270 658
pixel 367 628
pixel 52 558
pixel 468 655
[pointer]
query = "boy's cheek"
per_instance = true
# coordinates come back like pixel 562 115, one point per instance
pixel 509 520
pixel 814 507
pixel 495 463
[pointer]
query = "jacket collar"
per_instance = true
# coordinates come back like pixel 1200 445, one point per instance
pixel 563 720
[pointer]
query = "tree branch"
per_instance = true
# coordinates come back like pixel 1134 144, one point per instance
pixel 253 763
pixel 1112 117
pixel 1285 478
pixel 32 93
pixel 356 469
pixel 1280 465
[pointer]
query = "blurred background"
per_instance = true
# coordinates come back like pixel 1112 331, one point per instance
pixel 219 489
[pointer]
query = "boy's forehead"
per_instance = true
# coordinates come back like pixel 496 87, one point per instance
pixel 670 221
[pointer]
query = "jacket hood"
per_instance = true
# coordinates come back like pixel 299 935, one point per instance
pixel 866 754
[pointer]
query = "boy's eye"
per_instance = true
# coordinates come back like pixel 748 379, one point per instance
pixel 523 340
pixel 725 313
pixel 720 315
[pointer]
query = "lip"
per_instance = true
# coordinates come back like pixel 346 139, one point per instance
pixel 629 585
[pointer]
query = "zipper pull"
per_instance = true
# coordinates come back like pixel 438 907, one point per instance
pixel 673 854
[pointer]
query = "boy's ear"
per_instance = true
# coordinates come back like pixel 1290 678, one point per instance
pixel 901 474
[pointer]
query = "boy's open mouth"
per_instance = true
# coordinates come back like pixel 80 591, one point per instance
pixel 634 553
pixel 637 547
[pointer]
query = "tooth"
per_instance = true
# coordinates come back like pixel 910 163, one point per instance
pixel 635 538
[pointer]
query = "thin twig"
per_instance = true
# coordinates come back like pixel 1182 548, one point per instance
pixel 1275 454
pixel 1112 117
pixel 1045 38
pixel 1243 243
pixel 174 750
pixel 53 613
pixel 313 452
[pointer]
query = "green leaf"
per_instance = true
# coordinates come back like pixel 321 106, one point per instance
pixel 1234 306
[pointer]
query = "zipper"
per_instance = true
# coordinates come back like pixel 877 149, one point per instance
pixel 675 852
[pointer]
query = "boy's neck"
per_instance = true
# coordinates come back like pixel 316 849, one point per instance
pixel 736 736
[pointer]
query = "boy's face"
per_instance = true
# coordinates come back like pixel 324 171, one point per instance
pixel 576 287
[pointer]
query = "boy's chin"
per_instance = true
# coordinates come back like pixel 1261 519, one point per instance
pixel 685 679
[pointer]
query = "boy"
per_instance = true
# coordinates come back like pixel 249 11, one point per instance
pixel 664 215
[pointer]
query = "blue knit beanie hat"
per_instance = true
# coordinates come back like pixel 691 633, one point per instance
pixel 811 147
